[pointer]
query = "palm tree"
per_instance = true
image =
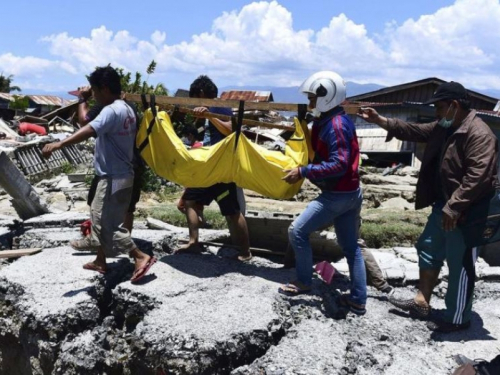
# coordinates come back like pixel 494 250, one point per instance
pixel 5 84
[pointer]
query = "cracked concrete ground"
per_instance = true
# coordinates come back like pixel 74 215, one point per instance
pixel 210 314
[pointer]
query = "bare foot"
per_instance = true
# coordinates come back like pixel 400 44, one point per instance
pixel 245 257
pixel 140 259
pixel 143 262
pixel 94 266
pixel 190 248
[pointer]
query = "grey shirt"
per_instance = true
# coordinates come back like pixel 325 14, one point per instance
pixel 114 148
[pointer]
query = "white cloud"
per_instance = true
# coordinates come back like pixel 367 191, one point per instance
pixel 258 45
pixel 457 42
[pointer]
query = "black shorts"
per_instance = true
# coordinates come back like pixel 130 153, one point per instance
pixel 224 194
pixel 136 190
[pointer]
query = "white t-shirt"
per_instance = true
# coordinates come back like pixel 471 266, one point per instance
pixel 114 148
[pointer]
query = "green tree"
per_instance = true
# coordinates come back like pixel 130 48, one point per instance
pixel 139 86
pixel 6 84
pixel 19 102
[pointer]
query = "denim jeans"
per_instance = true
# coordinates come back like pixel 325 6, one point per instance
pixel 342 210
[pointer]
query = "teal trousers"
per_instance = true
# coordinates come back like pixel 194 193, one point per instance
pixel 434 247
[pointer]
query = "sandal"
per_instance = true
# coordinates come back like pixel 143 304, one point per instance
pixel 411 306
pixel 291 290
pixel 344 301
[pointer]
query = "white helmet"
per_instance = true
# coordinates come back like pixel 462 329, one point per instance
pixel 329 87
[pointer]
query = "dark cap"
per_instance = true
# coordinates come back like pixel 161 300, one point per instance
pixel 448 91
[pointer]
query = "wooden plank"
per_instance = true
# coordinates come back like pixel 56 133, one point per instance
pixel 251 123
pixel 198 102
pixel 18 253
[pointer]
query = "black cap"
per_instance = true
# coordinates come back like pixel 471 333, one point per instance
pixel 448 91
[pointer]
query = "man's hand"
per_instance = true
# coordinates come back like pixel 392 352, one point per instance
pixel 200 110
pixel 448 222
pixel 370 115
pixel 48 149
pixel 293 175
pixel 85 92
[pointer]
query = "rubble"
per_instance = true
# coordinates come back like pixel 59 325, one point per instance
pixel 207 314
pixel 210 314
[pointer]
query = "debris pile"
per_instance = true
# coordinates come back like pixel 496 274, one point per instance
pixel 23 137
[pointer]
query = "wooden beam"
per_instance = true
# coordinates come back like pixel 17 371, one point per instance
pixel 247 122
pixel 198 102
pixel 18 253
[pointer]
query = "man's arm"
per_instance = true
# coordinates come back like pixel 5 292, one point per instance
pixel 83 106
pixel 225 127
pixel 81 135
pixel 396 128
pixel 339 151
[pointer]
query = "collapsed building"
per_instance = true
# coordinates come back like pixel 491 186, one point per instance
pixel 25 134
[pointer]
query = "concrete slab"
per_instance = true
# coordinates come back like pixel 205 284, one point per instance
pixel 311 347
pixel 6 220
pixel 208 310
pixel 64 219
pixel 46 297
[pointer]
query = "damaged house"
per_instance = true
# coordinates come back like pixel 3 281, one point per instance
pixel 405 102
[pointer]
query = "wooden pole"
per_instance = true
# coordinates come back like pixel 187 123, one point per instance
pixel 247 122
pixel 198 102
pixel 350 108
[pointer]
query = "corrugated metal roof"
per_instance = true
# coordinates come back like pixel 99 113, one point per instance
pixel 253 96
pixel 40 99
pixel 6 96
pixel 46 100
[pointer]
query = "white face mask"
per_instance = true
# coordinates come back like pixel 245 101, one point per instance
pixel 447 123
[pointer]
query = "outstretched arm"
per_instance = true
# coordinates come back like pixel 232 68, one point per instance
pixel 396 128
pixel 81 135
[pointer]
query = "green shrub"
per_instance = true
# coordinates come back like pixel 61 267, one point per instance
pixel 170 214
pixel 67 168
pixel 150 181
pixel 384 228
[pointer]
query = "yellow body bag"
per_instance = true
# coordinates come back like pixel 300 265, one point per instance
pixel 250 166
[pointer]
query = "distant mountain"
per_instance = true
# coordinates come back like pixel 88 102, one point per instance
pixel 292 94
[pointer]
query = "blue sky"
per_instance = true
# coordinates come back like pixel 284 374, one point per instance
pixel 50 45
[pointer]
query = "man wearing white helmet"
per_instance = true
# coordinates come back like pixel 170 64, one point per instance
pixel 335 171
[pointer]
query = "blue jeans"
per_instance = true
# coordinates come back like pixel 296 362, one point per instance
pixel 342 210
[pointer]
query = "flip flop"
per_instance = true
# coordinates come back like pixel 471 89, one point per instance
pixel 91 266
pixel 291 290
pixel 141 272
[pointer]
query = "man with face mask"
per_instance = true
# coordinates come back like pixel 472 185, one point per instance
pixel 459 167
